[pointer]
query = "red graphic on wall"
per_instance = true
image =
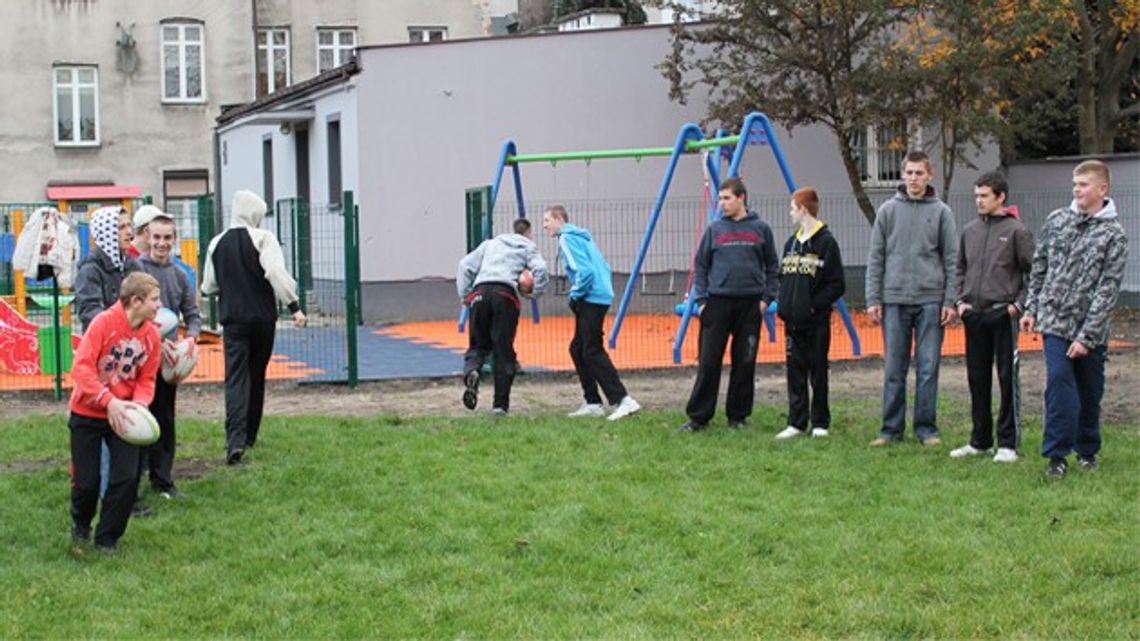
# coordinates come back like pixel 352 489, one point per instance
pixel 19 342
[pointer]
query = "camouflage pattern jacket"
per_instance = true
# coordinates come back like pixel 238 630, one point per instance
pixel 1077 271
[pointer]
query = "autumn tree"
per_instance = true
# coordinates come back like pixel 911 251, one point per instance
pixel 972 59
pixel 803 63
pixel 1107 37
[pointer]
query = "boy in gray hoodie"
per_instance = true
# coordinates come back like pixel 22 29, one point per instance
pixel 911 272
pixel 1074 284
pixel 488 284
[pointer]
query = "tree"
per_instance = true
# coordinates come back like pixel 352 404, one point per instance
pixel 973 60
pixel 631 10
pixel 825 62
pixel 1107 37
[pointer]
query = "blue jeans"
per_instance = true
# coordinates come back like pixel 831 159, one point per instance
pixel 904 326
pixel 1073 389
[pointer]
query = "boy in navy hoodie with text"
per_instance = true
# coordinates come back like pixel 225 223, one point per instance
pixel 736 276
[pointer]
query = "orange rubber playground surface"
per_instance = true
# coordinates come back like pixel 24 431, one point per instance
pixel 646 341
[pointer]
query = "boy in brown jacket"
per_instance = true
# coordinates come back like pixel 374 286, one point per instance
pixel 995 255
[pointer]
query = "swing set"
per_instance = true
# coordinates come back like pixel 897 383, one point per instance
pixel 756 130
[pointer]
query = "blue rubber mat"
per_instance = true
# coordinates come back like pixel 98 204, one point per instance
pixel 380 357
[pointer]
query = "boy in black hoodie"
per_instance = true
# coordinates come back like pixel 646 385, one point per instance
pixel 811 280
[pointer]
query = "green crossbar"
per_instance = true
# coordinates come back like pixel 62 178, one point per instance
pixel 691 146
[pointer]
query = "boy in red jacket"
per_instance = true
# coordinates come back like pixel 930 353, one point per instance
pixel 114 368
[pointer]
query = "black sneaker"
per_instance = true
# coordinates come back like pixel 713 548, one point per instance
pixel 234 457
pixel 471 394
pixel 107 549
pixel 80 535
pixel 1087 463
pixel 1056 469
pixel 738 424
pixel 141 511
pixel 691 426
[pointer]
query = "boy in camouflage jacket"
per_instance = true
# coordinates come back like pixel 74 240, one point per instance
pixel 1077 272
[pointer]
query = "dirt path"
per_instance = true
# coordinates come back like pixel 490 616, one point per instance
pixel 858 380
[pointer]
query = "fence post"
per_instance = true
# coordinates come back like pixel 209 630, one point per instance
pixel 301 260
pixel 351 282
pixel 206 224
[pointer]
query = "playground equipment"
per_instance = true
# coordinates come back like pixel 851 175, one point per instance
pixel 756 129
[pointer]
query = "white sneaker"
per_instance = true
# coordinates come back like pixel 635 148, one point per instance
pixel 966 450
pixel 1005 455
pixel 818 432
pixel 789 432
pixel 588 409
pixel 627 406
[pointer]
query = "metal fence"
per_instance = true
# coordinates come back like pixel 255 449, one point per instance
pixel 320 243
pixel 618 227
pixel 313 239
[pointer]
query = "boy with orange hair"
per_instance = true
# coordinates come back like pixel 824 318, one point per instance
pixel 811 280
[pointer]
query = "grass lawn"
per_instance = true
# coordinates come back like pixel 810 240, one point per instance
pixel 539 527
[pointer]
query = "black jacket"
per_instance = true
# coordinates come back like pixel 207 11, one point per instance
pixel 811 279
pixel 97 284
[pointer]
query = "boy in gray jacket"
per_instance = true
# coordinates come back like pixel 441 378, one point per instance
pixel 1076 277
pixel 488 284
pixel 910 291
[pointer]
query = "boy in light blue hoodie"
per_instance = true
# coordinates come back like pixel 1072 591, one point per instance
pixel 591 294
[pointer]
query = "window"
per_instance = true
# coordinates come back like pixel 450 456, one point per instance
pixel 267 171
pixel 427 34
pixel 272 60
pixel 333 132
pixel 181 190
pixel 183 76
pixel 76 106
pixel 879 152
pixel 334 48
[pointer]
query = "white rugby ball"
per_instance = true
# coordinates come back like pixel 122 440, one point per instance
pixel 181 364
pixel 167 322
pixel 139 427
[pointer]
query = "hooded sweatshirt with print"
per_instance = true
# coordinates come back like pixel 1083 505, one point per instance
pixel 591 279
pixel 101 274
pixel 249 261
pixel 1077 272
pixel 737 259
pixel 811 277
pixel 501 260
pixel 914 252
pixel 114 360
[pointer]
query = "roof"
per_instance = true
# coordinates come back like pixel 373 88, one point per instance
pixel 93 192
pixel 292 92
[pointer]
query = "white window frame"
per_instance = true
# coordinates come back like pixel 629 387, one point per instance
pixel 883 165
pixel 183 44
pixel 424 34
pixel 341 53
pixel 74 85
pixel 269 48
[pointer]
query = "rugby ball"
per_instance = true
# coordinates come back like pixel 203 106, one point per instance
pixel 139 427
pixel 167 322
pixel 526 283
pixel 178 362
